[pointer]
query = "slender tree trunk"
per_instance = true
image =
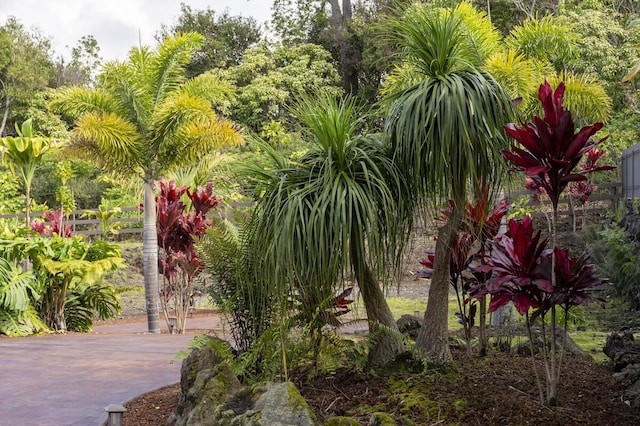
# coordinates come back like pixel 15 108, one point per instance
pixel 387 344
pixel 7 102
pixel 433 338
pixel 345 41
pixel 27 202
pixel 483 326
pixel 150 258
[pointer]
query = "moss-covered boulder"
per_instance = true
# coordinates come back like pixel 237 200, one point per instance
pixel 206 382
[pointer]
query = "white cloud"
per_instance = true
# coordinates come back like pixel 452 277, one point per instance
pixel 117 25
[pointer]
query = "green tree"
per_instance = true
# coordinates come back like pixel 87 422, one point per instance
pixel 446 130
pixel 145 117
pixel 25 68
pixel 269 78
pixel 83 66
pixel 336 207
pixel 226 37
pixel 23 154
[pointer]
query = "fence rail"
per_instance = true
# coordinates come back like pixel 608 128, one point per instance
pixel 604 199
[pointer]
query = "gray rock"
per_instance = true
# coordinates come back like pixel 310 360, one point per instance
pixel 282 405
pixel 632 394
pixel 409 325
pixel 206 382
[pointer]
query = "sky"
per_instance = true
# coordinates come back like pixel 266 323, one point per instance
pixel 117 25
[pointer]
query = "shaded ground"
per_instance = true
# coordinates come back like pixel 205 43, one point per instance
pixel 497 390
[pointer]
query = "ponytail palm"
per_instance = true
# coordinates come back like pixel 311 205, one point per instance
pixel 446 135
pixel 335 209
pixel 146 118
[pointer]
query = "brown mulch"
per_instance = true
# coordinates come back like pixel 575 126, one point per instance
pixel 496 390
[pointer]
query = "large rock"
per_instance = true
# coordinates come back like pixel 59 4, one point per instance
pixel 213 396
pixel 625 354
pixel 282 405
pixel 206 381
pixel 622 349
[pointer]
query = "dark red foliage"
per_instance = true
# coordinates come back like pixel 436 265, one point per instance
pixel 551 149
pixel 178 229
pixel 521 268
pixel 514 261
pixel 54 220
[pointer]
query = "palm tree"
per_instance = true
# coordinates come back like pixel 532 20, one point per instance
pixel 333 209
pixel 23 154
pixel 446 131
pixel 145 117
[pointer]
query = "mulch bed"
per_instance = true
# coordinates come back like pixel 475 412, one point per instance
pixel 496 390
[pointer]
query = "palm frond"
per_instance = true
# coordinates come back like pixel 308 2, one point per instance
pixel 448 132
pixel 546 39
pixel 213 88
pixel 108 139
pixel 76 100
pixel 517 75
pixel 584 96
pixel 129 85
pixel 484 38
pixel 167 69
pixel 187 125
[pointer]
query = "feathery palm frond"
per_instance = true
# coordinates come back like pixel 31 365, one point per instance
pixel 130 90
pixel 484 38
pixel 518 76
pixel 113 142
pixel 216 90
pixel 167 69
pixel 546 39
pixel 75 101
pixel 584 96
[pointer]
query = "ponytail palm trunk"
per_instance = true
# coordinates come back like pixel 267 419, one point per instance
pixel 146 118
pixel 446 131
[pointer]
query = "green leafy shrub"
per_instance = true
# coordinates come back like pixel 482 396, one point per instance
pixel 617 256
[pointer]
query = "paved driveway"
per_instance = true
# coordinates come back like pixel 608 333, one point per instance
pixel 69 379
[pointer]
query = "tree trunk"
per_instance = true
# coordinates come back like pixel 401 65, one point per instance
pixel 483 327
pixel 345 40
pixel 150 258
pixel 7 102
pixel 433 338
pixel 387 343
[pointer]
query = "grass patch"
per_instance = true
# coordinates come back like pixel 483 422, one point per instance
pixel 591 342
pixel 125 288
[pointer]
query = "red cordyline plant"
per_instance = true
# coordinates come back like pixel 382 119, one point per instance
pixel 54 226
pixel 177 231
pixel 581 191
pixel 522 273
pixel 477 228
pixel 549 153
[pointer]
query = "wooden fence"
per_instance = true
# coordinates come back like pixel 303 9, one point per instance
pixel 606 198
